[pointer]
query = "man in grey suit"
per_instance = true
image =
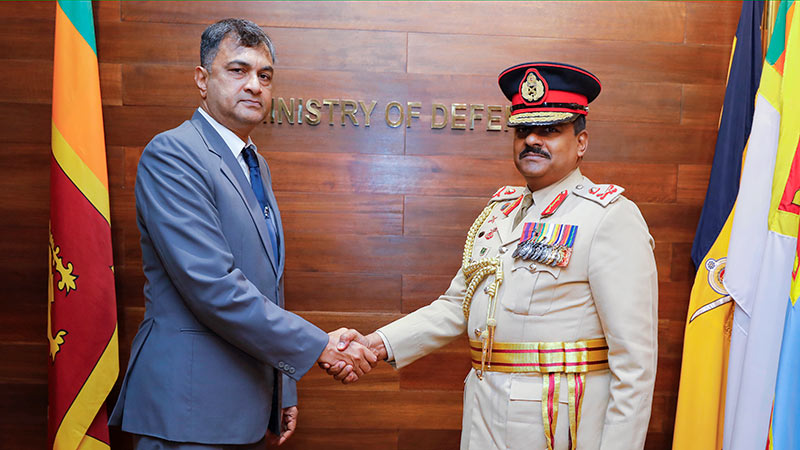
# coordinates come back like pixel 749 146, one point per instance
pixel 216 358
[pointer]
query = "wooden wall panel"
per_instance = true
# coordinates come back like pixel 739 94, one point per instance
pixel 692 182
pixel 622 61
pixel 659 21
pixel 314 212
pixel 441 216
pixel 420 290
pixel 711 22
pixel 378 51
pixel 27 39
pixel 702 103
pixel 375 216
pixel 32 124
pixel 339 439
pixel 311 291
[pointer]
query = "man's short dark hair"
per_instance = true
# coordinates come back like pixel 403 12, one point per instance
pixel 579 124
pixel 249 34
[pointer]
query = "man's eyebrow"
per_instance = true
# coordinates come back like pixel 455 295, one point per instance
pixel 237 62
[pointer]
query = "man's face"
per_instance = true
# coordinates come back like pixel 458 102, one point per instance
pixel 546 154
pixel 237 92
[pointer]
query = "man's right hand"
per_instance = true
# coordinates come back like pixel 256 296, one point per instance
pixel 349 338
pixel 346 362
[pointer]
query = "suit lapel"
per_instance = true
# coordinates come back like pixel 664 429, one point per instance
pixel 233 172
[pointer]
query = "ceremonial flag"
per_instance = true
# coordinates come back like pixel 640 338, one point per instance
pixel 81 316
pixel 734 129
pixel 701 397
pixel 785 426
pixel 763 240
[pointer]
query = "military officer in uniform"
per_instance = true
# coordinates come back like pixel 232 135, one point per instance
pixel 557 291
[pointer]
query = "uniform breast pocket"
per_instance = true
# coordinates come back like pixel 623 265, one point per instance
pixel 530 287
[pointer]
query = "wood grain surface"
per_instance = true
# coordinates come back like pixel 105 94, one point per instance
pixel 375 216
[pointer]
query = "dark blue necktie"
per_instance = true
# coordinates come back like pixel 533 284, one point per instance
pixel 258 188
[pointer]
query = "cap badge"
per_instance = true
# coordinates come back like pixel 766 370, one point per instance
pixel 533 87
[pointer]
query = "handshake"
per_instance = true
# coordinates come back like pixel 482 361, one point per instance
pixel 349 354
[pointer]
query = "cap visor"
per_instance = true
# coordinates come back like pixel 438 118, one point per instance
pixel 541 118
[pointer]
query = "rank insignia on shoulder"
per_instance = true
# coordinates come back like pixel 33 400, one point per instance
pixel 604 194
pixel 507 193
pixel 547 243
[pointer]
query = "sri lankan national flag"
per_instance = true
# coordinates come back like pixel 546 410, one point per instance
pixel 82 322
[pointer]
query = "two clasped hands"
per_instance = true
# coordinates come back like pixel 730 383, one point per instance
pixel 349 354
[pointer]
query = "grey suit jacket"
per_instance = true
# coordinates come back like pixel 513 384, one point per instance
pixel 215 345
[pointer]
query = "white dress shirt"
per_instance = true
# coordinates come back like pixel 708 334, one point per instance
pixel 235 144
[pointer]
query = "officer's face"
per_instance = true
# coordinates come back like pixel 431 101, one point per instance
pixel 238 90
pixel 546 154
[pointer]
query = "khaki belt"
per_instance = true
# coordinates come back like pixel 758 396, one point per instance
pixel 551 359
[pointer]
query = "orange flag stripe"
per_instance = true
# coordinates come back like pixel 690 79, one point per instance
pixel 77 110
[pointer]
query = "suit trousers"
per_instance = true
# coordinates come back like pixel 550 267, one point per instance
pixel 141 442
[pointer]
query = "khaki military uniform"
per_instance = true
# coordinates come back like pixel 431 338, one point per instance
pixel 607 290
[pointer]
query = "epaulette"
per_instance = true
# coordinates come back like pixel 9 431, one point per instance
pixel 604 194
pixel 507 193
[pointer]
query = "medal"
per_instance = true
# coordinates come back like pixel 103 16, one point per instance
pixel 547 243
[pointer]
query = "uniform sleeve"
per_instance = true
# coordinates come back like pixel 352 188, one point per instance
pixel 624 284
pixel 428 328
pixel 176 206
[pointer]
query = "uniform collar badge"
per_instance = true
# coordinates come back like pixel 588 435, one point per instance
pixel 553 206
pixel 511 206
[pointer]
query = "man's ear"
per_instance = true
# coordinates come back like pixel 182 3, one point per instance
pixel 201 80
pixel 583 142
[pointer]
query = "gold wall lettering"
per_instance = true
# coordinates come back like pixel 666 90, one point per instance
pixel 436 109
pixel 367 111
pixel 330 103
pixel 394 123
pixel 459 116
pixel 410 112
pixel 349 110
pixel 456 123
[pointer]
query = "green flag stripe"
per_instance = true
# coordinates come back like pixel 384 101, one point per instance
pixel 777 46
pixel 79 13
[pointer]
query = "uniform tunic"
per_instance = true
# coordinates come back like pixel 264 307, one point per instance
pixel 609 289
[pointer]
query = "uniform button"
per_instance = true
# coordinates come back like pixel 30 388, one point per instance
pixel 503 250
pixel 291 370
pixel 281 365
pixel 486 290
pixel 580 186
